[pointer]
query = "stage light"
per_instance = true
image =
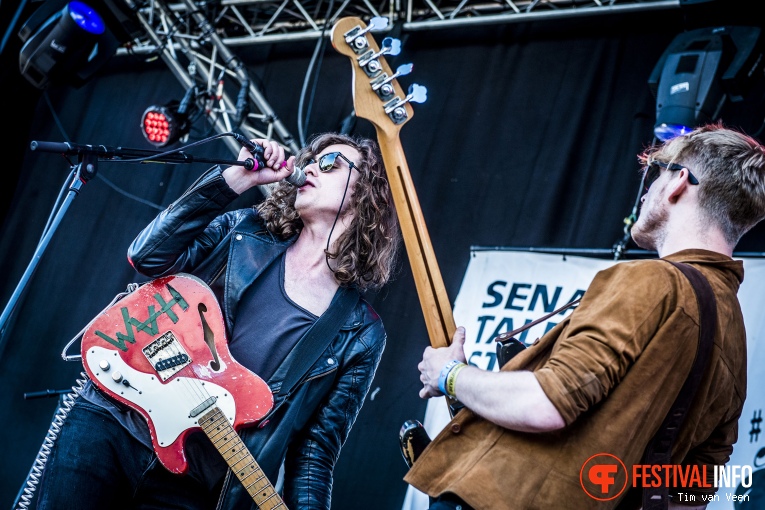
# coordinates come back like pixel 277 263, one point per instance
pixel 162 125
pixel 67 47
pixel 165 125
pixel 698 72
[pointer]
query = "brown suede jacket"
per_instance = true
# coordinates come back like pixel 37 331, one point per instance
pixel 612 369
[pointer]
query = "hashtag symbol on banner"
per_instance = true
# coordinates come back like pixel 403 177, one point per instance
pixel 754 434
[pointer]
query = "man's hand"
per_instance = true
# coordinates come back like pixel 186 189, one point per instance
pixel 513 400
pixel 277 167
pixel 433 360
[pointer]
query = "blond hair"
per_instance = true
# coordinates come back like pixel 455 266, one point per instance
pixel 730 167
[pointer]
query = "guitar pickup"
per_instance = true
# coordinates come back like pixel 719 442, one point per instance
pixel 174 361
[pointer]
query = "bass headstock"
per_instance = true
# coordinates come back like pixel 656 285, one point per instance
pixel 377 95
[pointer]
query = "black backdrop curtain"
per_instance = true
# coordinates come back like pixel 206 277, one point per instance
pixel 528 138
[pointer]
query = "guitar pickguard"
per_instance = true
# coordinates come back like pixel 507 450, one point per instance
pixel 169 406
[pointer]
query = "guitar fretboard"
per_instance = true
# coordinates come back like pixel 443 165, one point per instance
pixel 240 460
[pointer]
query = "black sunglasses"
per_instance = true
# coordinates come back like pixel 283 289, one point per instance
pixel 327 161
pixel 653 170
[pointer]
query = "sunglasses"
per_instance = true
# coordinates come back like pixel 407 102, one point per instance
pixel 653 171
pixel 327 161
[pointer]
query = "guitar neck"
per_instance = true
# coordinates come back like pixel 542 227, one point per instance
pixel 240 460
pixel 436 307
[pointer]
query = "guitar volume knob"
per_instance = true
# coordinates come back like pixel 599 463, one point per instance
pixel 117 376
pixel 104 365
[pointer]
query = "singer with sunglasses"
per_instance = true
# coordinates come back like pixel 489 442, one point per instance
pixel 548 426
pixel 301 258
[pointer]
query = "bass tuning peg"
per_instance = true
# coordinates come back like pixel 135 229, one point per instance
pixel 395 107
pixel 355 37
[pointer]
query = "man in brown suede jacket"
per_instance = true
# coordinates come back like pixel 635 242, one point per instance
pixel 602 381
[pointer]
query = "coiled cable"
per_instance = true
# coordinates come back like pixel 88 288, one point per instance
pixel 38 466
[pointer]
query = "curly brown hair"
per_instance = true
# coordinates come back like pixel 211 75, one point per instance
pixel 366 253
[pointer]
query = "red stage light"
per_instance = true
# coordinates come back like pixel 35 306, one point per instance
pixel 162 126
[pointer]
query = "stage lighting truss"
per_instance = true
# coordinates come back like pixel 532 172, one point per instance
pixel 245 22
pixel 195 38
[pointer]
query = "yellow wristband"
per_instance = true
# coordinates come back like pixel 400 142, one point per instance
pixel 451 379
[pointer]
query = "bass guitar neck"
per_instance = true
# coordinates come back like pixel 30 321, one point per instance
pixel 378 97
pixel 431 291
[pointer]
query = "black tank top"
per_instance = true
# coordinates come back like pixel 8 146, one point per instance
pixel 268 323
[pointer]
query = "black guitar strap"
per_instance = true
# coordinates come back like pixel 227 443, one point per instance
pixel 316 339
pixel 659 450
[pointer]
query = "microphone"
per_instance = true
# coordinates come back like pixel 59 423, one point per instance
pixel 297 178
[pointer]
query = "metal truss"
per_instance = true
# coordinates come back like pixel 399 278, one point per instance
pixel 195 37
pixel 244 22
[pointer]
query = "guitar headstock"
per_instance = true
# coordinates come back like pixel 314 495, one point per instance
pixel 377 95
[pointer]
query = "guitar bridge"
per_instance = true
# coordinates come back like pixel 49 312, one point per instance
pixel 167 355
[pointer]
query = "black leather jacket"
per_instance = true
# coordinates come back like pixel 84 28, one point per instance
pixel 306 428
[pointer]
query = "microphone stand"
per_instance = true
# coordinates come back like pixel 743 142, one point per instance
pixel 86 168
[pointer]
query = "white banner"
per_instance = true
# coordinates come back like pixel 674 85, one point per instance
pixel 503 290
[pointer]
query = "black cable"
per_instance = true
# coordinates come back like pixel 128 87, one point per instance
pixel 129 195
pixel 318 68
pixel 339 209
pixel 318 49
pixel 153 157
pixel 98 175
pixel 619 246
pixel 12 25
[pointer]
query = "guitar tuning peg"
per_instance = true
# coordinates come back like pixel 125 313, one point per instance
pixel 382 84
pixel 417 94
pixel 395 108
pixel 391 46
pixel 403 70
pixel 378 23
pixel 355 36
pixel 368 61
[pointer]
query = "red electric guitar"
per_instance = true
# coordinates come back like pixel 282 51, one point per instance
pixel 162 350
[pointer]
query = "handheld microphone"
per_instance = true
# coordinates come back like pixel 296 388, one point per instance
pixel 297 178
